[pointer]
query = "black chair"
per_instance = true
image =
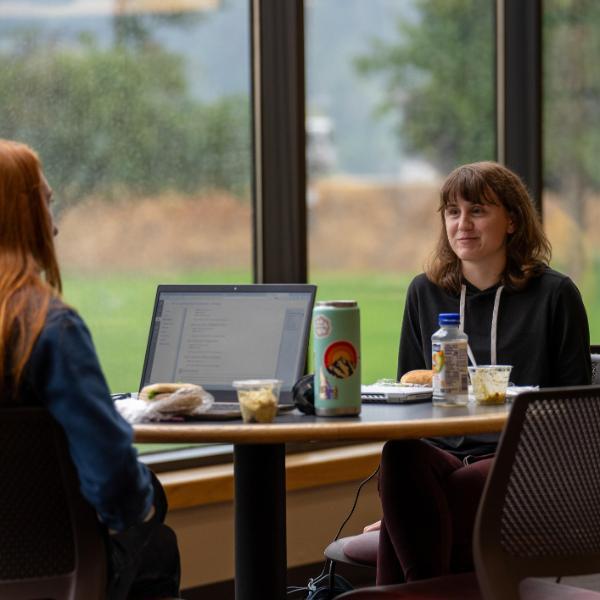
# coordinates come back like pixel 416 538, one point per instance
pixel 595 352
pixel 361 549
pixel 52 543
pixel 540 511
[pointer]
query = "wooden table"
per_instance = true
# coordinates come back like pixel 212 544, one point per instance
pixel 259 470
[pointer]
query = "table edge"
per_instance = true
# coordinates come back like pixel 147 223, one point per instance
pixel 275 433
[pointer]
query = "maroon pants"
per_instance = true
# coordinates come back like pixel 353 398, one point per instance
pixel 429 500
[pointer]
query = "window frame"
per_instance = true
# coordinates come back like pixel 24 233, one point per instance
pixel 279 141
pixel 280 234
pixel 279 138
pixel 519 91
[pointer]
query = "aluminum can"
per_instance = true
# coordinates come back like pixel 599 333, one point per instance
pixel 336 347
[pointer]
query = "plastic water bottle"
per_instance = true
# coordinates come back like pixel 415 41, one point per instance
pixel 449 362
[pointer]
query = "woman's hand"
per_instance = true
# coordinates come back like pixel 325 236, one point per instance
pixel 372 527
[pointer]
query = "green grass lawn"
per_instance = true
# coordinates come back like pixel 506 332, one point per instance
pixel 380 299
pixel 118 311
pixel 118 308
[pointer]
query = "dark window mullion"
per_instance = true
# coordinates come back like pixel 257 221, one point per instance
pixel 280 246
pixel 520 91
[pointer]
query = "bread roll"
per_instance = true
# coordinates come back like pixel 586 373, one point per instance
pixel 161 391
pixel 418 376
pixel 184 400
pixel 175 398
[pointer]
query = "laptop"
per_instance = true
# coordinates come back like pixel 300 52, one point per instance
pixel 212 335
pixel 395 393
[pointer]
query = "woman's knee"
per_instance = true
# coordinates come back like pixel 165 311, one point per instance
pixel 397 451
pixel 408 455
pixel 410 464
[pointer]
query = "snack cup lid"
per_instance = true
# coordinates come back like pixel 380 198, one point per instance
pixel 256 383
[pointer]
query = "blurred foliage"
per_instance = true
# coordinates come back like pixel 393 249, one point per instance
pixel 572 99
pixel 137 28
pixel 120 119
pixel 439 78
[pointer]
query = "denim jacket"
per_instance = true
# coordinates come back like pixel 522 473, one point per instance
pixel 64 375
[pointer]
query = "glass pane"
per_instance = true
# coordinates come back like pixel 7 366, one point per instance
pixel 140 112
pixel 398 94
pixel 572 144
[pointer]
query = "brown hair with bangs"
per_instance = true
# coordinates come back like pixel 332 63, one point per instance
pixel 528 250
pixel 29 273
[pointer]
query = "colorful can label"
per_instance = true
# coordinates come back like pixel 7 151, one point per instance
pixel 336 348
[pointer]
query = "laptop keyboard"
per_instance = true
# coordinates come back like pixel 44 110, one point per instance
pixel 372 398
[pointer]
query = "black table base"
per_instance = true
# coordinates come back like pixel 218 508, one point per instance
pixel 260 548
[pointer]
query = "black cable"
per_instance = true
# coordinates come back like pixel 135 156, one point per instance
pixel 328 567
pixel 360 487
pixel 337 535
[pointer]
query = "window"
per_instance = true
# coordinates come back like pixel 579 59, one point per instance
pixel 572 145
pixel 398 94
pixel 142 120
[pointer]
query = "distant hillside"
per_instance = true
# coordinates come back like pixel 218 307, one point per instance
pixel 216 46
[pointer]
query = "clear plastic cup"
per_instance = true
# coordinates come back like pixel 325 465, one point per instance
pixel 489 383
pixel 258 399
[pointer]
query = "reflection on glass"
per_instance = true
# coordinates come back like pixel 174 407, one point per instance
pixel 571 86
pixel 140 113
pixel 398 94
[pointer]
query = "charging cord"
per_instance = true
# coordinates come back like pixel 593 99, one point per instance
pixel 328 571
pixel 360 487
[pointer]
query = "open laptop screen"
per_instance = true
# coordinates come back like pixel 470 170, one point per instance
pixel 213 335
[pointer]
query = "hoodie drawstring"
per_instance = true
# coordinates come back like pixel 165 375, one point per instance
pixel 494 329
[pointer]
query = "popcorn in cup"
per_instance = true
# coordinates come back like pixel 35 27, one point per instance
pixel 258 399
pixel 489 383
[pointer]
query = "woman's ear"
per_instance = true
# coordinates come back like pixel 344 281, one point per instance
pixel 511 228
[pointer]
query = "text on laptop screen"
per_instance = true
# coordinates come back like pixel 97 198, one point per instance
pixel 214 338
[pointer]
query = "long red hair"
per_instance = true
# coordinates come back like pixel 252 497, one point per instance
pixel 29 273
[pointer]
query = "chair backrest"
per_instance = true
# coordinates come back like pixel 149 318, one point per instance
pixel 595 352
pixel 540 511
pixel 52 546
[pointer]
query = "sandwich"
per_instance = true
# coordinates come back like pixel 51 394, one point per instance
pixel 173 397
pixel 418 377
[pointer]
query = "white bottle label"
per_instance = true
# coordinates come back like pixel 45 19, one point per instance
pixel 449 363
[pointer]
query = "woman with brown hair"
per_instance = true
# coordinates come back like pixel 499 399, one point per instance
pixel 47 358
pixel 491 267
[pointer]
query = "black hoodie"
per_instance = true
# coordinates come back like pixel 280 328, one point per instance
pixel 542 332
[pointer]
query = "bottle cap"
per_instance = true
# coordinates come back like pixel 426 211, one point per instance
pixel 337 303
pixel 448 318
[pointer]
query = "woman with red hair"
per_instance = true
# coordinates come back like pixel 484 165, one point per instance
pixel 47 358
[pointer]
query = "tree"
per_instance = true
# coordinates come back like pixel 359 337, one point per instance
pixel 107 120
pixel 572 100
pixel 439 76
